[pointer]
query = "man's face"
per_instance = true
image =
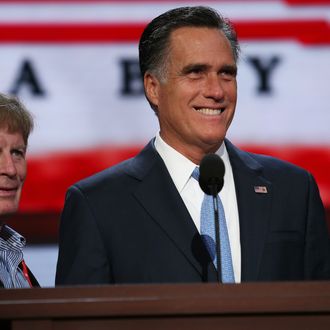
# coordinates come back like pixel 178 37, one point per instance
pixel 12 170
pixel 197 99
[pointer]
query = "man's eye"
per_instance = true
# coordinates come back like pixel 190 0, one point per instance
pixel 228 74
pixel 18 153
pixel 197 70
pixel 195 73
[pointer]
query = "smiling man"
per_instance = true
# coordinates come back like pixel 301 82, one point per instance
pixel 143 221
pixel 196 101
pixel 16 124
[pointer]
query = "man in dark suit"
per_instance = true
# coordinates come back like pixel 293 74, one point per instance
pixel 16 123
pixel 139 221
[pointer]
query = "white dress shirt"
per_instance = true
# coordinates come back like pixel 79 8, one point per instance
pixel 180 169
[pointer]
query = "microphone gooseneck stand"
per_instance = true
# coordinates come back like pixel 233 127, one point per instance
pixel 213 189
pixel 211 180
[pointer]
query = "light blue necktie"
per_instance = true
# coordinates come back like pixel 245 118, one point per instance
pixel 207 231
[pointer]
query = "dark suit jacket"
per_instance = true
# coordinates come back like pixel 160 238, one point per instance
pixel 128 224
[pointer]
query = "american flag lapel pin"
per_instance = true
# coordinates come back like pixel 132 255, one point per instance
pixel 260 189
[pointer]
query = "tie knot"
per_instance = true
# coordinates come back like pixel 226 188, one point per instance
pixel 195 173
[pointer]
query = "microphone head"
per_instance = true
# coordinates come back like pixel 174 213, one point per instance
pixel 211 173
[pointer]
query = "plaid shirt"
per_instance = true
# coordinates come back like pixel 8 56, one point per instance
pixel 11 255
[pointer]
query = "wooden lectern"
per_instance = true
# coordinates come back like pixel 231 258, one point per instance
pixel 267 306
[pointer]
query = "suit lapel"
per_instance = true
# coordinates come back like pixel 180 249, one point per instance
pixel 254 196
pixel 168 210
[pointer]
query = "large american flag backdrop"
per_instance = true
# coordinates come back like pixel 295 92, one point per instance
pixel 75 66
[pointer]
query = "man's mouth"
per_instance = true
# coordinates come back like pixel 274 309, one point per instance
pixel 210 111
pixel 8 192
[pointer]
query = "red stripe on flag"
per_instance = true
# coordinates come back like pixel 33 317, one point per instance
pixel 70 33
pixel 49 176
pixel 140 2
pixel 308 2
pixel 314 159
pixel 305 31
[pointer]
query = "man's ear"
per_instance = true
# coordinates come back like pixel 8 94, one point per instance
pixel 151 87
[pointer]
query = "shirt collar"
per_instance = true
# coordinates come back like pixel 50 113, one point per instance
pixel 10 239
pixel 223 154
pixel 180 167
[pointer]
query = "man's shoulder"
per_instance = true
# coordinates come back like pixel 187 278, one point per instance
pixel 107 181
pixel 110 173
pixel 119 173
pixel 267 164
pixel 276 164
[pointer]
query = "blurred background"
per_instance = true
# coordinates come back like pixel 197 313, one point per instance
pixel 75 66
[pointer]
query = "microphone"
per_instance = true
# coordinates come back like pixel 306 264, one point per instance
pixel 211 173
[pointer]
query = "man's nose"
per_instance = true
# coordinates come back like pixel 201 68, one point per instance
pixel 7 165
pixel 213 87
